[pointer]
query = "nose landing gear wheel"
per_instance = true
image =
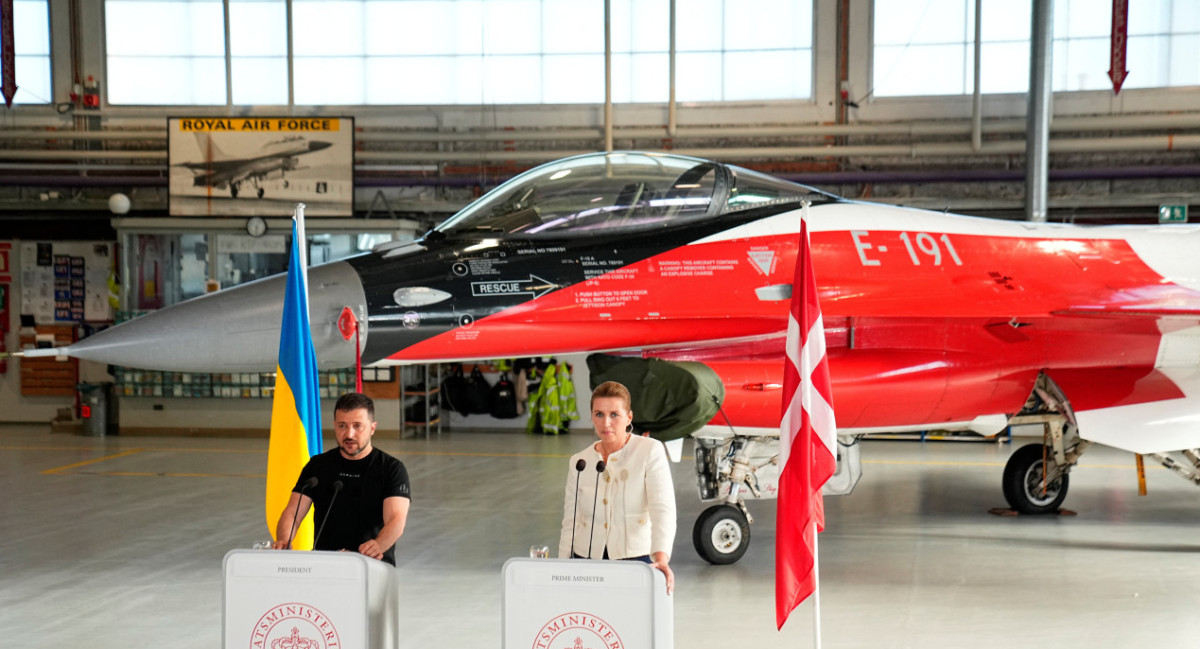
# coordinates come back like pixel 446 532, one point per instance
pixel 721 535
pixel 1022 481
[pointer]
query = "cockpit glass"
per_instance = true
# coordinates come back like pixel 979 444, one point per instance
pixel 595 194
pixel 751 189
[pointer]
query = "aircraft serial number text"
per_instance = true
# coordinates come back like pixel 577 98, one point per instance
pixel 920 246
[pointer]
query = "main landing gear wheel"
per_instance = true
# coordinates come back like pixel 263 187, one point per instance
pixel 233 190
pixel 721 534
pixel 261 191
pixel 1023 482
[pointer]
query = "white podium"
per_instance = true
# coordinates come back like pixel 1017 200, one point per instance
pixel 570 603
pixel 309 600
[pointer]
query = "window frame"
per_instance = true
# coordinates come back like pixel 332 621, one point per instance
pixel 995 105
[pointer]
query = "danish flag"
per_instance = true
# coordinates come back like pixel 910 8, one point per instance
pixel 807 435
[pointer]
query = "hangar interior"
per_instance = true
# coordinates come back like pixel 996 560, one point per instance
pixel 905 102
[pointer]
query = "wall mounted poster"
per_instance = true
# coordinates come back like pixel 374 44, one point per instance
pixel 245 166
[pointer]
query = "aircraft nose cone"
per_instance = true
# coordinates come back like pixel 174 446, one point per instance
pixel 317 146
pixel 234 330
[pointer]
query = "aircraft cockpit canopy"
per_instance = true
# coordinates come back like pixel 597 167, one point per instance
pixel 615 192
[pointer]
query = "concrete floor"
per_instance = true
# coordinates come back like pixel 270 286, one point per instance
pixel 117 542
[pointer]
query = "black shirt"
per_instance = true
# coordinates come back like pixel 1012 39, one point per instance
pixel 356 515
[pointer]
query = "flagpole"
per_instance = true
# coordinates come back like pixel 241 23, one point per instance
pixel 302 241
pixel 816 591
pixel 816 557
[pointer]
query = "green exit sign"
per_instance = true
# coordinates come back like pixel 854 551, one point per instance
pixel 1172 214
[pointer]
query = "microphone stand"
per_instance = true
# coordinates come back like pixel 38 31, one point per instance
pixel 579 466
pixel 311 482
pixel 337 488
pixel 595 497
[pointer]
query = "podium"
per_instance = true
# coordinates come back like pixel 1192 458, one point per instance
pixel 569 603
pixel 316 600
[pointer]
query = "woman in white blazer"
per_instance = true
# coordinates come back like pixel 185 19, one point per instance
pixel 633 498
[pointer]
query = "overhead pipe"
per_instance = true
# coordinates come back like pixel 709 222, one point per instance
pixel 291 56
pixel 916 150
pixel 672 126
pixel 608 100
pixel 228 59
pixel 1154 122
pixel 920 150
pixel 808 178
pixel 1039 110
pixel 977 97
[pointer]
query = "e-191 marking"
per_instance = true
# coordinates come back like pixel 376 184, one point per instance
pixel 926 243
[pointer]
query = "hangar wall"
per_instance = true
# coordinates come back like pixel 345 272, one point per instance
pixel 1114 158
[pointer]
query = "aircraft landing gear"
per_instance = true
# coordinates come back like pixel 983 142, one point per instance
pixel 1035 478
pixel 233 190
pixel 721 534
pixel 260 192
pixel 1026 487
pixel 728 465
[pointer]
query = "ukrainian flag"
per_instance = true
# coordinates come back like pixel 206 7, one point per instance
pixel 296 412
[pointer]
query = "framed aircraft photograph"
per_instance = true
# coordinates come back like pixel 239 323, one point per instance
pixel 247 166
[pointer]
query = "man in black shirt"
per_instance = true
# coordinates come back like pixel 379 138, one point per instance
pixel 367 514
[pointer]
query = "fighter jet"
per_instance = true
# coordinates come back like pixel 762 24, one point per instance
pixel 220 170
pixel 933 320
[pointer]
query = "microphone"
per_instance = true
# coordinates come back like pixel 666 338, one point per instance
pixel 579 466
pixel 337 487
pixel 308 484
pixel 595 496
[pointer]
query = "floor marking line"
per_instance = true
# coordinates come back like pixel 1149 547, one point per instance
pixel 166 474
pixel 94 460
pixel 140 448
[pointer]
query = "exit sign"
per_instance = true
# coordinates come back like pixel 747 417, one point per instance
pixel 1172 214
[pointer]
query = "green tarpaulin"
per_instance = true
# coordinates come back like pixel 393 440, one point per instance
pixel 671 399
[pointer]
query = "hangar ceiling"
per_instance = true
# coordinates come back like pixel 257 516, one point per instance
pixel 1113 158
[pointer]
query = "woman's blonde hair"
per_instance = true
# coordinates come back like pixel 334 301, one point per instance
pixel 613 389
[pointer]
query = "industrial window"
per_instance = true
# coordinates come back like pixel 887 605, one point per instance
pixel 926 47
pixel 419 52
pixel 548 51
pixel 31 42
pixel 165 52
pixel 258 52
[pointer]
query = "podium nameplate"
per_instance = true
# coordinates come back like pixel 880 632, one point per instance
pixel 318 600
pixel 564 604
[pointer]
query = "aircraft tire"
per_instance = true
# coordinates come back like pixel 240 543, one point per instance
pixel 721 535
pixel 1022 483
pixel 233 191
pixel 261 191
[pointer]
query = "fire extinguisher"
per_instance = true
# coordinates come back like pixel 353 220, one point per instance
pixel 91 93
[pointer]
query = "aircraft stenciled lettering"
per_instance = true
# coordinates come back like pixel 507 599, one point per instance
pixel 482 267
pixel 593 267
pixel 695 267
pixel 764 260
pixel 921 247
pixel 608 299
pixel 534 284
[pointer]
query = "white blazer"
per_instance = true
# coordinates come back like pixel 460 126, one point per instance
pixel 635 505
